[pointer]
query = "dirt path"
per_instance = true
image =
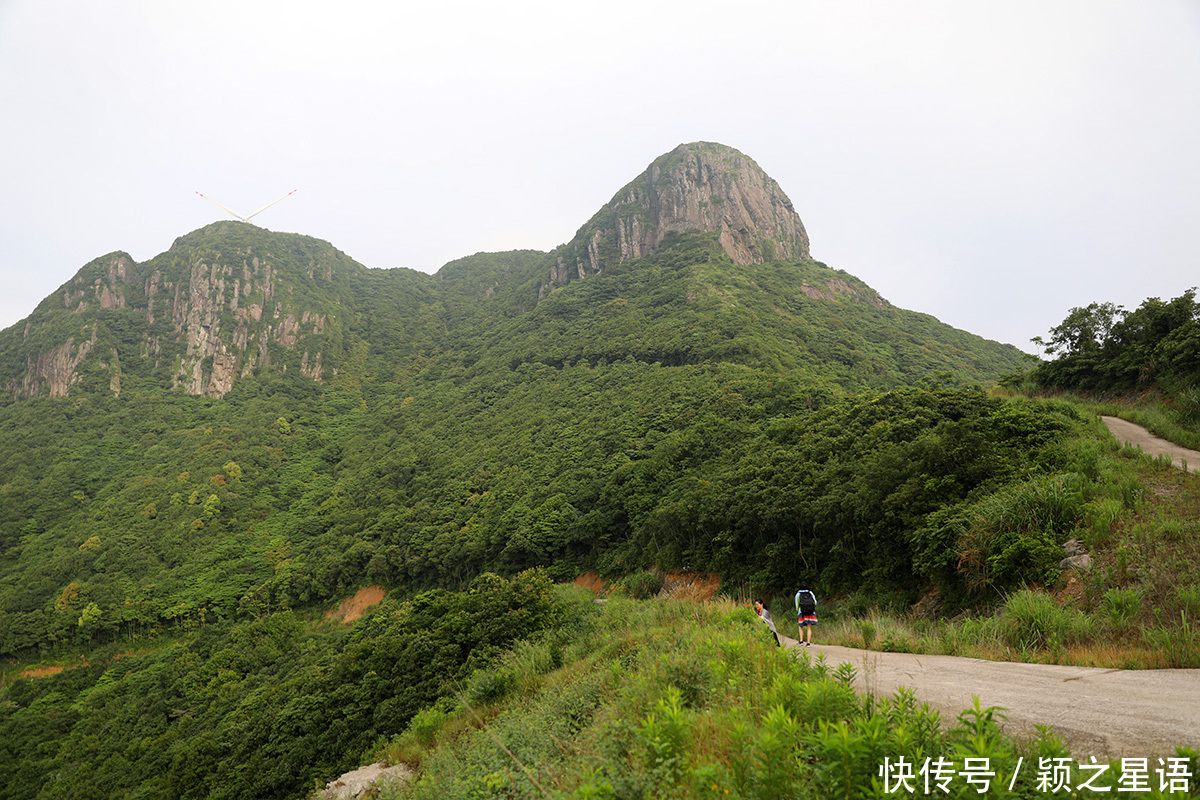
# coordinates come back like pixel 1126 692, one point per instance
pixel 1138 436
pixel 1100 712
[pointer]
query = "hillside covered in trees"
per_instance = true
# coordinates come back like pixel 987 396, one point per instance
pixel 252 421
pixel 203 452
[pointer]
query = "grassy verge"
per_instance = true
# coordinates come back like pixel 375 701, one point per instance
pixel 1174 418
pixel 684 700
pixel 1136 606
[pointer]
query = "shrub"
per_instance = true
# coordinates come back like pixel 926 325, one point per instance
pixel 489 686
pixel 1013 535
pixel 687 673
pixel 825 700
pixel 776 768
pixel 868 634
pixel 1121 606
pixel 1034 620
pixel 845 755
pixel 643 585
pixel 664 733
pixel 426 724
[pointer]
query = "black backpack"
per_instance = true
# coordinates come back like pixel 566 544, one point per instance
pixel 806 601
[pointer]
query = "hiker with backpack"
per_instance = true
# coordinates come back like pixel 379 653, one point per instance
pixel 806 614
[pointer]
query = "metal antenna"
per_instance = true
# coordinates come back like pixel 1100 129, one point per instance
pixel 248 217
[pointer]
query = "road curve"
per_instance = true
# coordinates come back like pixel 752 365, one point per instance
pixel 1128 433
pixel 1108 713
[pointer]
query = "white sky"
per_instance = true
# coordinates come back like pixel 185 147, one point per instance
pixel 990 163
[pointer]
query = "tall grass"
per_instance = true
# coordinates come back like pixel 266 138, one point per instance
pixel 1033 620
pixel 659 700
pixel 1014 534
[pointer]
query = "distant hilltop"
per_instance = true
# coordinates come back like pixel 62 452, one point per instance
pixel 702 258
pixel 702 186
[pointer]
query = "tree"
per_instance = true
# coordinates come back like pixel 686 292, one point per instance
pixel 1085 330
pixel 89 619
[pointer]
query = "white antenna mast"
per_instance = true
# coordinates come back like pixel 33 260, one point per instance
pixel 248 217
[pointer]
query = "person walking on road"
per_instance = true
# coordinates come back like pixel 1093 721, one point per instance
pixel 806 614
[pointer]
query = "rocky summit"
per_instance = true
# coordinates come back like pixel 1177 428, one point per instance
pixel 702 186
pixel 224 301
pixel 701 258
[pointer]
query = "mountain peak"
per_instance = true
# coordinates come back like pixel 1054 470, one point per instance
pixel 700 186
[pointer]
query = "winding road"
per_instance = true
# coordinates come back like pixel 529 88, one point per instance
pixel 1107 713
pixel 1128 433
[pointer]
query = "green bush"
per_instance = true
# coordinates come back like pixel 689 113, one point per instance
pixel 868 634
pixel 426 724
pixel 488 686
pixel 1033 620
pixel 664 735
pixel 825 700
pixel 643 585
pixel 690 675
pixel 1122 606
pixel 1013 535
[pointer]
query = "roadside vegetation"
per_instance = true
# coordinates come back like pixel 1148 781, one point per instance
pixel 684 700
pixel 174 553
pixel 1136 606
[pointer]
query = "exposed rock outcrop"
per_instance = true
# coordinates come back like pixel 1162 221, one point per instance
pixel 700 186
pixel 1077 557
pixel 366 781
pixel 836 287
pixel 221 303
pixel 56 368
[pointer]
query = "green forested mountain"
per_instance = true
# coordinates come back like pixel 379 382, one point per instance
pixel 251 425
pixel 252 420
pixel 700 260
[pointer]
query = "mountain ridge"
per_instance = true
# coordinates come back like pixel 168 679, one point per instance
pixel 229 300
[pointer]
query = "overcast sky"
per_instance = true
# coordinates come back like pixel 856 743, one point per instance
pixel 993 164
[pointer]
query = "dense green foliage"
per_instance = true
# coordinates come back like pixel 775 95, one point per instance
pixel 665 699
pixel 256 709
pixel 285 493
pixel 1104 348
pixel 677 410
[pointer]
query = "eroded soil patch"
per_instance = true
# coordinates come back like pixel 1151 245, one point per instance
pixel 351 609
pixel 695 586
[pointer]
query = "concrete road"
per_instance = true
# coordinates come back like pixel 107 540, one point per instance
pixel 1128 433
pixel 1100 712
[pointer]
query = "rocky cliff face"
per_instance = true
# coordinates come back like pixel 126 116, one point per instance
pixel 232 299
pixel 696 187
pixel 222 302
